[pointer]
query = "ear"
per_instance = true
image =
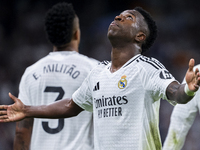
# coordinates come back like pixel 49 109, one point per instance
pixel 76 35
pixel 140 37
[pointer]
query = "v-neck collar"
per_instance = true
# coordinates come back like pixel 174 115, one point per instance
pixel 125 65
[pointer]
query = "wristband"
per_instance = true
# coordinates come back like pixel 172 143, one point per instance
pixel 188 92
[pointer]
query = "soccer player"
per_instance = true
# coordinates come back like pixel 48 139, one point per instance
pixel 181 121
pixel 52 78
pixel 124 94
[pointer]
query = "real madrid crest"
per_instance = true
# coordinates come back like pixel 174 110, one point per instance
pixel 122 82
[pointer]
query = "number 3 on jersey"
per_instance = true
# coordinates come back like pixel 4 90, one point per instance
pixel 45 124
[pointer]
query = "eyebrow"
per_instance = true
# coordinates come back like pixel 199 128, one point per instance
pixel 131 13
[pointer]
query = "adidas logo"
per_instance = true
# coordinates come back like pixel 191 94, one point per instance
pixel 96 87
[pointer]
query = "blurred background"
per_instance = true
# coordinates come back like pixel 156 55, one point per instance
pixel 23 42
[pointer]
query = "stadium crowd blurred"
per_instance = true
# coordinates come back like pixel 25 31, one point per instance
pixel 23 41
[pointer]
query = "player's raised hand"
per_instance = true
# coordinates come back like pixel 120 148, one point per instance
pixel 192 77
pixel 14 112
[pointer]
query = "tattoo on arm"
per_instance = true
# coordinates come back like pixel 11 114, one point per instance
pixel 26 123
pixel 23 134
pixel 171 91
pixel 24 146
pixel 175 91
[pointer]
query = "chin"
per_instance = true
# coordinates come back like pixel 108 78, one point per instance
pixel 111 35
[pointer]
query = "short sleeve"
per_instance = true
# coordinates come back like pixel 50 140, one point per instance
pixel 161 81
pixel 83 96
pixel 156 78
pixel 23 90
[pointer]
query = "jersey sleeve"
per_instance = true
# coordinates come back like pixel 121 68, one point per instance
pixel 83 96
pixel 156 79
pixel 23 89
pixel 161 81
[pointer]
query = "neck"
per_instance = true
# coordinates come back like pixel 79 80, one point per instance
pixel 120 55
pixel 72 46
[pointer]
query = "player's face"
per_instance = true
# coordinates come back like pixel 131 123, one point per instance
pixel 126 25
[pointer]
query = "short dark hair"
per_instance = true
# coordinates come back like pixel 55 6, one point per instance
pixel 152 29
pixel 59 23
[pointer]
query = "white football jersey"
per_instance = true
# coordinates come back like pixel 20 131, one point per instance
pixel 181 120
pixel 125 104
pixel 52 78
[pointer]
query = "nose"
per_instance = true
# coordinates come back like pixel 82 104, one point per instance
pixel 119 18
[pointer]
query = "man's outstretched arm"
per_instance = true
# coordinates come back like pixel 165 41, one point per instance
pixel 60 109
pixel 182 93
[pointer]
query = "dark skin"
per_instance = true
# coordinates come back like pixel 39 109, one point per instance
pixel 124 49
pixel 126 33
pixel 23 134
pixel 24 127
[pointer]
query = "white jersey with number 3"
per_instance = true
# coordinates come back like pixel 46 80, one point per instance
pixel 125 104
pixel 52 78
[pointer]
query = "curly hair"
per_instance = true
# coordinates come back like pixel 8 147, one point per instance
pixel 59 23
pixel 152 29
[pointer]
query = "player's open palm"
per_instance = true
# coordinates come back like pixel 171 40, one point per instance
pixel 14 112
pixel 192 77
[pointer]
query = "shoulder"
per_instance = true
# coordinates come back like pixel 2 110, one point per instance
pixel 151 66
pixel 150 63
pixel 37 64
pixel 101 66
pixel 86 60
pixel 104 63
